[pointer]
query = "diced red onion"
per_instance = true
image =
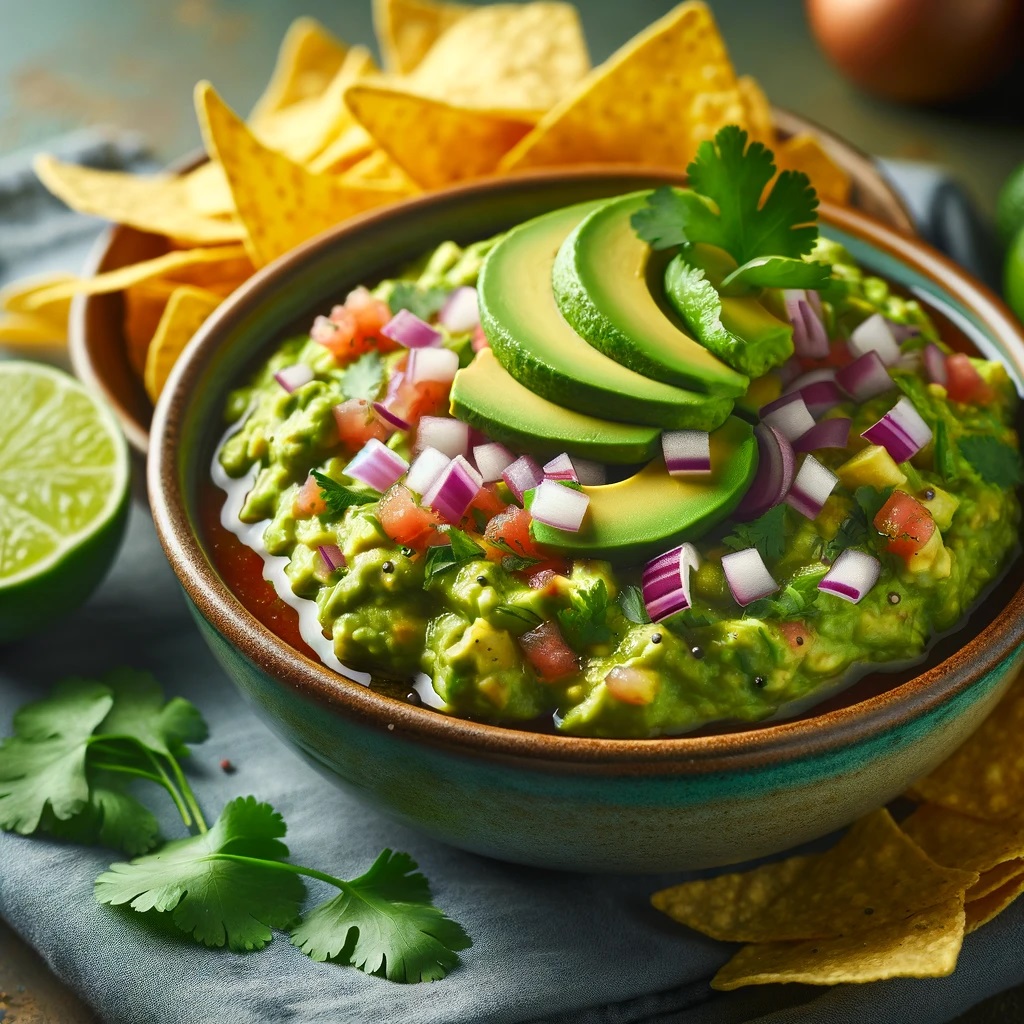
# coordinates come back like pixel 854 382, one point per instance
pixel 666 582
pixel 561 468
pixel 865 377
pixel 443 433
pixel 590 472
pixel 747 575
pixel 292 377
pixel 388 418
pixel 818 389
pixel 834 433
pixel 809 336
pixel 790 370
pixel 775 465
pixel 935 364
pixel 323 329
pixel 559 506
pixel 408 329
pixel 332 556
pixel 523 475
pixel 460 311
pixel 425 469
pixel 852 575
pixel 788 414
pixel 901 431
pixel 376 465
pixel 686 451
pixel 811 488
pixel 453 491
pixel 875 335
pixel 903 332
pixel 432 364
pixel 492 459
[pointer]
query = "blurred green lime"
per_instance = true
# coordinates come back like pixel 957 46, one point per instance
pixel 1010 206
pixel 1013 275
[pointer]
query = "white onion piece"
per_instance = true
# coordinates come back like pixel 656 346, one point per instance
pixel 852 575
pixel 666 582
pixel 747 575
pixel 408 329
pixel 523 475
pixel 589 472
pixel 875 335
pixel 901 431
pixel 811 488
pixel 492 459
pixel 789 416
pixel 686 451
pixel 443 433
pixel 425 469
pixel 432 364
pixel 561 468
pixel 559 506
pixel 935 364
pixel 460 312
pixel 453 491
pixel 864 378
pixel 376 465
pixel 292 377
pixel 809 336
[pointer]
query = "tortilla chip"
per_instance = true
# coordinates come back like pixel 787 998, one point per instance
pixel 984 777
pixel 873 875
pixel 17 298
pixel 407 29
pixel 379 169
pixel 144 305
pixel 353 145
pixel 280 203
pixel 805 153
pixel 710 111
pixel 757 111
pixel 307 61
pixel 515 59
pixel 187 310
pixel 23 330
pixel 983 910
pixel 157 204
pixel 959 841
pixel 208 191
pixel 628 109
pixel 924 946
pixel 995 878
pixel 435 143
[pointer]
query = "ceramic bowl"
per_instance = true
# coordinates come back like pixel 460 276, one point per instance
pixel 97 344
pixel 550 800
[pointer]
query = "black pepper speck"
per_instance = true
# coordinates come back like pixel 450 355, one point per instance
pixel 697 652
pixel 760 681
pixel 388 566
pixel 655 638
pixel 482 580
pixel 894 598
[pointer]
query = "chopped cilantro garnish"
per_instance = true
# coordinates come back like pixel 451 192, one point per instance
pixel 795 598
pixel 443 557
pixel 766 533
pixel 363 378
pixel 584 622
pixel 945 462
pixel 338 497
pixel 631 601
pixel 514 561
pixel 852 533
pixel 993 460
pixel 870 502
pixel 422 302
pixel 521 616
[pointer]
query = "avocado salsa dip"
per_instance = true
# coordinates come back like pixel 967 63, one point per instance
pixel 633 467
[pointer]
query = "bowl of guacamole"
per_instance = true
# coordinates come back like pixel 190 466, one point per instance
pixel 591 521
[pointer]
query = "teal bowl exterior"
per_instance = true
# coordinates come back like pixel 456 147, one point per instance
pixel 556 801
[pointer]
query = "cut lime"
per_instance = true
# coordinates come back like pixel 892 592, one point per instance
pixel 64 481
pixel 1013 275
pixel 1010 206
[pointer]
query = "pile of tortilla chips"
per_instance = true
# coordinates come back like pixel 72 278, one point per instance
pixel 887 900
pixel 466 91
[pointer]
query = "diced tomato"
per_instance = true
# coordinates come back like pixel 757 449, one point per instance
pixel 487 501
pixel 357 424
pixel 479 339
pixel 632 685
pixel 838 355
pixel 370 316
pixel 546 650
pixel 412 401
pixel 964 383
pixel 907 523
pixel 512 530
pixel 308 501
pixel 406 522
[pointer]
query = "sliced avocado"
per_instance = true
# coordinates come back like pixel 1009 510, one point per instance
pixel 648 513
pixel 739 330
pixel 600 280
pixel 535 344
pixel 486 396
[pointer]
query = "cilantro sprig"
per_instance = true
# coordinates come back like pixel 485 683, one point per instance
pixel 227 884
pixel 363 378
pixel 338 496
pixel 766 533
pixel 441 558
pixel 422 302
pixel 584 622
pixel 993 460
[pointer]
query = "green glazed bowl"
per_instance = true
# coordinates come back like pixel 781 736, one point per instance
pixel 549 800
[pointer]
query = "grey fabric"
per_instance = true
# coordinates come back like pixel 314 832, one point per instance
pixel 549 948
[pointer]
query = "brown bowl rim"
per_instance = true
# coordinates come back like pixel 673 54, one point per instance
pixel 684 754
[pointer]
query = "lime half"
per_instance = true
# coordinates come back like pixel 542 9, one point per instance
pixel 1010 206
pixel 64 482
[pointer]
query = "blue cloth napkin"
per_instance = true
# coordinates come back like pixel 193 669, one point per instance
pixel 549 948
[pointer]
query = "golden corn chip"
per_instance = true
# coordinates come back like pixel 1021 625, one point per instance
pixel 186 311
pixel 628 109
pixel 157 204
pixel 757 110
pixel 873 875
pixel 985 776
pixel 407 29
pixel 518 59
pixel 960 841
pixel 435 143
pixel 990 906
pixel 379 169
pixel 710 111
pixel 995 878
pixel 925 945
pixel 805 153
pixel 280 203
pixel 208 191
pixel 18 297
pixel 144 305
pixel 344 152
pixel 24 330
pixel 307 61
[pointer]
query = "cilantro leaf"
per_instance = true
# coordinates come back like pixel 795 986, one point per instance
pixel 995 462
pixel 363 378
pixel 671 217
pixel 519 619
pixel 631 601
pixel 775 272
pixel 853 532
pixel 945 463
pixel 584 622
pixel 214 898
pixel 795 598
pixel 43 765
pixel 338 497
pixel 442 557
pixel 383 922
pixel 766 533
pixel 871 501
pixel 515 560
pixel 422 302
